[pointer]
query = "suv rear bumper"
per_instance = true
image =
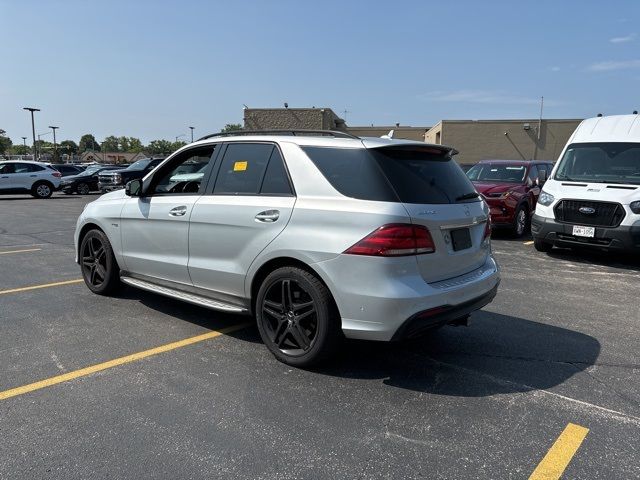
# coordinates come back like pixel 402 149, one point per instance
pixel 387 299
pixel 623 238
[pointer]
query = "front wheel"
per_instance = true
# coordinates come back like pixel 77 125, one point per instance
pixel 542 246
pixel 100 269
pixel 520 222
pixel 83 189
pixel 42 190
pixel 297 317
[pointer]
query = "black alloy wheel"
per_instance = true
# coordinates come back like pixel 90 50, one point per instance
pixel 99 267
pixel 297 317
pixel 83 189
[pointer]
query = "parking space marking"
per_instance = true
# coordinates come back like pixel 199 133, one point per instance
pixel 560 454
pixel 83 372
pixel 530 242
pixel 36 287
pixel 21 251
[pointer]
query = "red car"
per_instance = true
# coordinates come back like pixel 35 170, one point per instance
pixel 511 189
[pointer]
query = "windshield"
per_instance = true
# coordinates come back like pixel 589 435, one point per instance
pixel 491 172
pixel 139 165
pixel 601 163
pixel 92 170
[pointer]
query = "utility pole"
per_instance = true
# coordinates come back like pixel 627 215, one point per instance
pixel 55 146
pixel 24 141
pixel 33 130
pixel 192 133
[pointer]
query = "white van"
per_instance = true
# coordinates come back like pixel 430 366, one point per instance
pixel 592 197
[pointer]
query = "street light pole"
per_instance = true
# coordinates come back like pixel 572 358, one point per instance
pixel 192 133
pixel 33 129
pixel 179 136
pixel 55 146
pixel 24 141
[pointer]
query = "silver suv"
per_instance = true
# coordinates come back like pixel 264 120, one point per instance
pixel 318 235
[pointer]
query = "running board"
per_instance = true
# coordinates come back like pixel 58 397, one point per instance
pixel 179 295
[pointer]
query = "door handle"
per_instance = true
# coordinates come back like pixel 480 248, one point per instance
pixel 178 211
pixel 268 216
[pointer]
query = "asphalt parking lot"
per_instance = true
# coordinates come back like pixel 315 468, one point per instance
pixel 557 351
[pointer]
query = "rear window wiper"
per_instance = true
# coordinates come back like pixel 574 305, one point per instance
pixel 467 196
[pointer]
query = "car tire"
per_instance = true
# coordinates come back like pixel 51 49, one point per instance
pixel 297 317
pixel 83 189
pixel 520 222
pixel 99 267
pixel 542 246
pixel 42 190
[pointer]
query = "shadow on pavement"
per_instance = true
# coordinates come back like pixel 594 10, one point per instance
pixel 596 257
pixel 496 354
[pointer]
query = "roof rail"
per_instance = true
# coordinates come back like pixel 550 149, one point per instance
pixel 293 132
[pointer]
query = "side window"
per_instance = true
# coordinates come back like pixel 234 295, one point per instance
pixel 276 181
pixel 36 168
pixel 185 173
pixel 543 171
pixel 22 168
pixel 243 168
pixel 7 168
pixel 533 174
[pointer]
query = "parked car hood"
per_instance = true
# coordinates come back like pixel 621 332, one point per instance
pixel 493 188
pixel 79 176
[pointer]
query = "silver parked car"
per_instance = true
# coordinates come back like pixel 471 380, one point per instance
pixel 318 235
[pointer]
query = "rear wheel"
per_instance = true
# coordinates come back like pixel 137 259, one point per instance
pixel 99 267
pixel 297 317
pixel 42 190
pixel 83 189
pixel 521 221
pixel 542 246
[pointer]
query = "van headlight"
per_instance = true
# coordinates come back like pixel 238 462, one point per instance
pixel 545 198
pixel 635 206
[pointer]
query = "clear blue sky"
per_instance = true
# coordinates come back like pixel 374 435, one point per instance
pixel 150 69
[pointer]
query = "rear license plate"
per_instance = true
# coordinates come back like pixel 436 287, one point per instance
pixel 461 239
pixel 579 231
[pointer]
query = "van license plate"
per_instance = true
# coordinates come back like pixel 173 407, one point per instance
pixel 584 231
pixel 461 239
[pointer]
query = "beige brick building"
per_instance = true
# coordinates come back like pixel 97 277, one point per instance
pixel 503 139
pixel 298 118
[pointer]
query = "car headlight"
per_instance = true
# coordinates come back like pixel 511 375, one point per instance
pixel 635 206
pixel 545 198
pixel 117 178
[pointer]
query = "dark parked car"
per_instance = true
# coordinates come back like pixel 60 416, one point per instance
pixel 511 189
pixel 115 180
pixel 65 169
pixel 86 181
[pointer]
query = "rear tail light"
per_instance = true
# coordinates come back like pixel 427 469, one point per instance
pixel 57 174
pixel 395 240
pixel 487 229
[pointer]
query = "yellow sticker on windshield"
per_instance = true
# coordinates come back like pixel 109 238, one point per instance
pixel 239 166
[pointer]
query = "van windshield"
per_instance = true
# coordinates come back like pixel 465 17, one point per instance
pixel 613 162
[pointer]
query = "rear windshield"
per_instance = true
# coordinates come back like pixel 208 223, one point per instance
pixel 601 163
pixel 408 174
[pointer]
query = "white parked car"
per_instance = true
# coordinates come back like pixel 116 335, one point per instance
pixel 592 197
pixel 35 178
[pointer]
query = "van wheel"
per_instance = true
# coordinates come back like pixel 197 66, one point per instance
pixel 100 269
pixel 297 317
pixel 542 246
pixel 520 222
pixel 42 190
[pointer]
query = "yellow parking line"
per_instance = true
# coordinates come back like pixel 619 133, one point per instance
pixel 21 251
pixel 48 382
pixel 45 285
pixel 560 454
pixel 530 242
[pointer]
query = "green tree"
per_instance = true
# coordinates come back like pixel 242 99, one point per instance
pixel 176 145
pixel 68 146
pixel 5 143
pixel 88 142
pixel 159 147
pixel 111 144
pixel 231 127
pixel 19 150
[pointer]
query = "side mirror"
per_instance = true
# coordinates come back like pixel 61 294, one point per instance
pixel 133 188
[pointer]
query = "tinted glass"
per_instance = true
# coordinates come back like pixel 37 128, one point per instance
pixel 139 165
pixel 185 173
pixel 425 175
pixel 601 163
pixel 353 172
pixel 7 168
pixel 494 172
pixel 242 168
pixel 27 167
pixel 533 173
pixel 276 180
